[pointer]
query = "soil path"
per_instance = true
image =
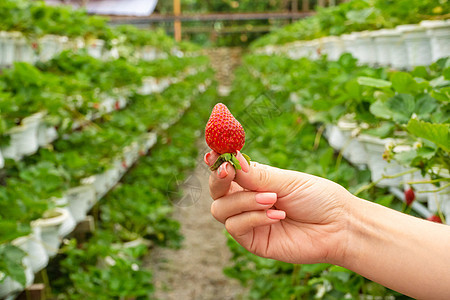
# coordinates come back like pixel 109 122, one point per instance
pixel 195 272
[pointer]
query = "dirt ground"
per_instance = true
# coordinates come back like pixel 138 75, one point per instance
pixel 195 271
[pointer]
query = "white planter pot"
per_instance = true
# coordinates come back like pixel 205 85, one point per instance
pixel 107 104
pixel 50 228
pixel 10 287
pixel 149 85
pixel 69 223
pixel 128 156
pixel 297 50
pixel 46 134
pixel 9 47
pixel 121 102
pixel 2 49
pixel 335 137
pixel 313 49
pixel 49 47
pixel 95 48
pixel 149 53
pixel 418 45
pixel 390 48
pixel 113 176
pixel 2 160
pixel 349 44
pixel 375 148
pixel 24 51
pixel 334 48
pixel 80 199
pixel 33 246
pixel 439 33
pixel 24 138
pixel 366 52
pixel 383 45
pixel 352 150
pixel 148 140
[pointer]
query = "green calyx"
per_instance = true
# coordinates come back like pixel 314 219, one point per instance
pixel 231 158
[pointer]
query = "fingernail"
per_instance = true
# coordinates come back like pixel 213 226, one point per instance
pixel 266 198
pixel 205 158
pixel 276 214
pixel 222 170
pixel 243 161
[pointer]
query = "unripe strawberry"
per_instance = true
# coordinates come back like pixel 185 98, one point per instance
pixel 410 196
pixel 225 135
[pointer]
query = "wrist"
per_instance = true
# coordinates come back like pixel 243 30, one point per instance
pixel 348 244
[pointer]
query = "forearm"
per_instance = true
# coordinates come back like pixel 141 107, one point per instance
pixel 404 253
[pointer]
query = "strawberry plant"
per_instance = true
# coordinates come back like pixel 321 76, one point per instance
pixel 356 15
pixel 11 264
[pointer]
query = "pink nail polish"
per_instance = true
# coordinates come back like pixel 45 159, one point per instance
pixel 205 158
pixel 276 214
pixel 266 198
pixel 222 170
pixel 244 164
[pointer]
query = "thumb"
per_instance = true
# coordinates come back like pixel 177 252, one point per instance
pixel 264 178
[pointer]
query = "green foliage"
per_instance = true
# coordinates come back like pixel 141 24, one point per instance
pixel 104 268
pixel 356 15
pixel 139 208
pixel 11 263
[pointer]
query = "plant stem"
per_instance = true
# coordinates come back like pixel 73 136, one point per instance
pixel 436 190
pixel 372 184
pixel 428 181
pixel 318 136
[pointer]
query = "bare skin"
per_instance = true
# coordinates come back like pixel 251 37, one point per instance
pixel 299 218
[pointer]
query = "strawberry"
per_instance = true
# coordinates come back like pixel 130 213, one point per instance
pixel 225 135
pixel 409 196
pixel 117 105
pixel 434 218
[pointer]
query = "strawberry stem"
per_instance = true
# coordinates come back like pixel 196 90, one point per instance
pixel 231 158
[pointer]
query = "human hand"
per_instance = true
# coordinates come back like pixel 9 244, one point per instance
pixel 280 214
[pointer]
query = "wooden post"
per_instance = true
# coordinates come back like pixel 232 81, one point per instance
pixel 33 292
pixel 294 6
pixel 305 5
pixel 177 23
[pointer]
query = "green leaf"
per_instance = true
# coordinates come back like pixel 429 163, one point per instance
pixel 446 73
pixel 359 16
pixel 11 263
pixel 381 110
pixel 436 133
pixel 385 200
pixel 403 82
pixel 353 89
pixel 425 105
pixel 373 82
pixel 402 107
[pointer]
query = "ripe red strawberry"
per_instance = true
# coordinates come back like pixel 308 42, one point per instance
pixel 409 196
pixel 434 218
pixel 225 135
